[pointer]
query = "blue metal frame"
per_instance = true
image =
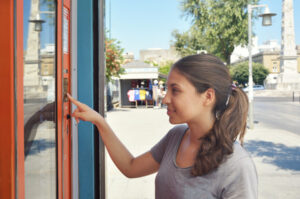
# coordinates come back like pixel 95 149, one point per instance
pixel 85 95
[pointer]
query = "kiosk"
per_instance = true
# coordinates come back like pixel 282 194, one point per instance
pixel 136 84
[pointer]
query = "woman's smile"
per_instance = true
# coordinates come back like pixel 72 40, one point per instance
pixel 170 111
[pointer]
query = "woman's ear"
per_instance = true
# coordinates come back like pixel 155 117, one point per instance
pixel 210 97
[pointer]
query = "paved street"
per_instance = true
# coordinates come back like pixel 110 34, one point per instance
pixel 40 160
pixel 139 129
pixel 278 112
pixel 275 151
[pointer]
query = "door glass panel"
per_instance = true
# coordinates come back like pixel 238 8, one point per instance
pixel 40 99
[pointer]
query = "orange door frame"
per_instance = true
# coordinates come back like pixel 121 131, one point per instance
pixel 7 137
pixel 63 106
pixel 11 102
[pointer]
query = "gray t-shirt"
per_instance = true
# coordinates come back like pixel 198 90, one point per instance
pixel 235 178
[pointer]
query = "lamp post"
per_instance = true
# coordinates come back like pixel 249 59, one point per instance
pixel 37 23
pixel 267 21
pixel 110 19
pixel 38 28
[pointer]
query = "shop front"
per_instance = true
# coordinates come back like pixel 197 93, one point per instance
pixel 138 85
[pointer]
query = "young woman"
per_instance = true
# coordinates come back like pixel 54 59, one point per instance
pixel 199 158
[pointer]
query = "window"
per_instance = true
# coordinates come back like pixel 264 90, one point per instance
pixel 39 101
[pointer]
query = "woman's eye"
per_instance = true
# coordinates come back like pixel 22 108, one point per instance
pixel 174 90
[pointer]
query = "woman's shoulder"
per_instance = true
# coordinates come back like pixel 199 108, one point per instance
pixel 238 173
pixel 239 158
pixel 239 152
pixel 178 130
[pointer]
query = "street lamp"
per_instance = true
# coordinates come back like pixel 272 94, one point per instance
pixel 267 17
pixel 267 21
pixel 37 23
pixel 38 28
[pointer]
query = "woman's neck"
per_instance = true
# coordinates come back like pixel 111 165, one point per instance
pixel 198 129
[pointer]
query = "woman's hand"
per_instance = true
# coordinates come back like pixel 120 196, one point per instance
pixel 84 112
pixel 130 166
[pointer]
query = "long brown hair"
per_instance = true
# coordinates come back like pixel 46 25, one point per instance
pixel 231 107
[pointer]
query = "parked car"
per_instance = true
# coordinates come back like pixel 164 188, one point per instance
pixel 255 88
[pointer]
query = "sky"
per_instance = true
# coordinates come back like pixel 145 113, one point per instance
pixel 144 24
pixel 48 33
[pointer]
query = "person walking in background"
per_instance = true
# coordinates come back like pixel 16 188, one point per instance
pixel 200 157
pixel 155 91
pixel 161 94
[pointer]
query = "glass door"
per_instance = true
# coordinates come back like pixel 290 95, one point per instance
pixel 40 99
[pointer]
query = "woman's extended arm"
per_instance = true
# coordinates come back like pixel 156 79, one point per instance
pixel 130 166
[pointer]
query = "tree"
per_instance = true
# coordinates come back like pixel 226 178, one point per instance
pixel 219 25
pixel 114 58
pixel 260 73
pixel 152 63
pixel 188 43
pixel 165 68
pixel 240 73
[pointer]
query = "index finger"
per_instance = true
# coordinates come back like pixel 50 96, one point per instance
pixel 74 101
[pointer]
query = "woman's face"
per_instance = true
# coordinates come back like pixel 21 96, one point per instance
pixel 184 103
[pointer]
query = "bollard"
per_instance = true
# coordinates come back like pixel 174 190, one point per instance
pixel 293 96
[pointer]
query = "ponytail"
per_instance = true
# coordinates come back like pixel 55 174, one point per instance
pixel 235 115
pixel 218 143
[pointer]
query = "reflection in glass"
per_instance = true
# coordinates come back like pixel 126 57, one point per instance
pixel 39 99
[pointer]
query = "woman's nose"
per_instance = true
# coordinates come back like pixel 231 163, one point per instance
pixel 166 99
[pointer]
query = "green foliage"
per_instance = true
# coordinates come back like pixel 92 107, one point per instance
pixel 114 58
pixel 217 26
pixel 151 63
pixel 165 68
pixel 259 73
pixel 50 4
pixel 188 43
pixel 240 73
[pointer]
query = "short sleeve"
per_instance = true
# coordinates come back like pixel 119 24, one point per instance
pixel 242 181
pixel 159 149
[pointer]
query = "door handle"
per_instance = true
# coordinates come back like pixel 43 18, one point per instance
pixel 66 86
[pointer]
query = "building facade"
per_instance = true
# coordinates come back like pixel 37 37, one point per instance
pixel 270 59
pixel 159 56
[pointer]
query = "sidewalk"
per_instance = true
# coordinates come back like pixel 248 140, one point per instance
pixel 276 93
pixel 276 154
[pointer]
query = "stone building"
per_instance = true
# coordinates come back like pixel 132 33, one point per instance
pixel 128 57
pixel 271 60
pixel 47 65
pixel 159 56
